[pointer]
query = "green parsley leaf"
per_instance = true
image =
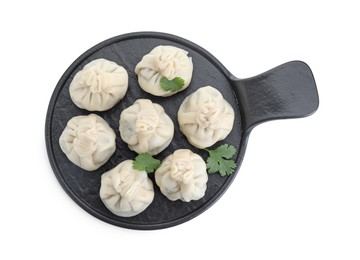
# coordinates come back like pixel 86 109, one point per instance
pixel 145 162
pixel 227 167
pixel 220 161
pixel 173 85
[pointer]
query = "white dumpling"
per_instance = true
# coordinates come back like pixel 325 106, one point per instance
pixel 163 61
pixel 145 127
pixel 88 141
pixel 182 176
pixel 125 191
pixel 205 117
pixel 99 85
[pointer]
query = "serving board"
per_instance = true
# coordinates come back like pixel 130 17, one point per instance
pixel 83 186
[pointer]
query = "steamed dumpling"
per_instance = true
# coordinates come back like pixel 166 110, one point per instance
pixel 182 176
pixel 145 127
pixel 99 85
pixel 88 141
pixel 205 117
pixel 126 192
pixel 163 61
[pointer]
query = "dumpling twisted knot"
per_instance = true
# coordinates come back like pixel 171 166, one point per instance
pixel 147 121
pixel 126 185
pixel 167 64
pixel 208 115
pixel 181 170
pixel 98 80
pixel 85 141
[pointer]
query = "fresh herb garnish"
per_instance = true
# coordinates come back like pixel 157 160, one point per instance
pixel 219 160
pixel 173 85
pixel 145 162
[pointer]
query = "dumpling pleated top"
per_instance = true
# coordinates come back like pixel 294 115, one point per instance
pixel 99 85
pixel 182 176
pixel 163 61
pixel 205 117
pixel 145 127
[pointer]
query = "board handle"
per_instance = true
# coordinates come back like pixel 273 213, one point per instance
pixel 286 91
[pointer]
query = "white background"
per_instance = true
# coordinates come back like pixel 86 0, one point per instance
pixel 297 195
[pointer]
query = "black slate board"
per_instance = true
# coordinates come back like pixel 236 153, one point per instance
pixel 286 91
pixel 82 186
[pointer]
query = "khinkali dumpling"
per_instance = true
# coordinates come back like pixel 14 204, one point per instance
pixel 99 85
pixel 125 191
pixel 88 141
pixel 145 127
pixel 205 117
pixel 182 175
pixel 163 61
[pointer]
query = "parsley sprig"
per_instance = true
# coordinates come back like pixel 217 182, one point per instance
pixel 173 85
pixel 145 162
pixel 220 161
